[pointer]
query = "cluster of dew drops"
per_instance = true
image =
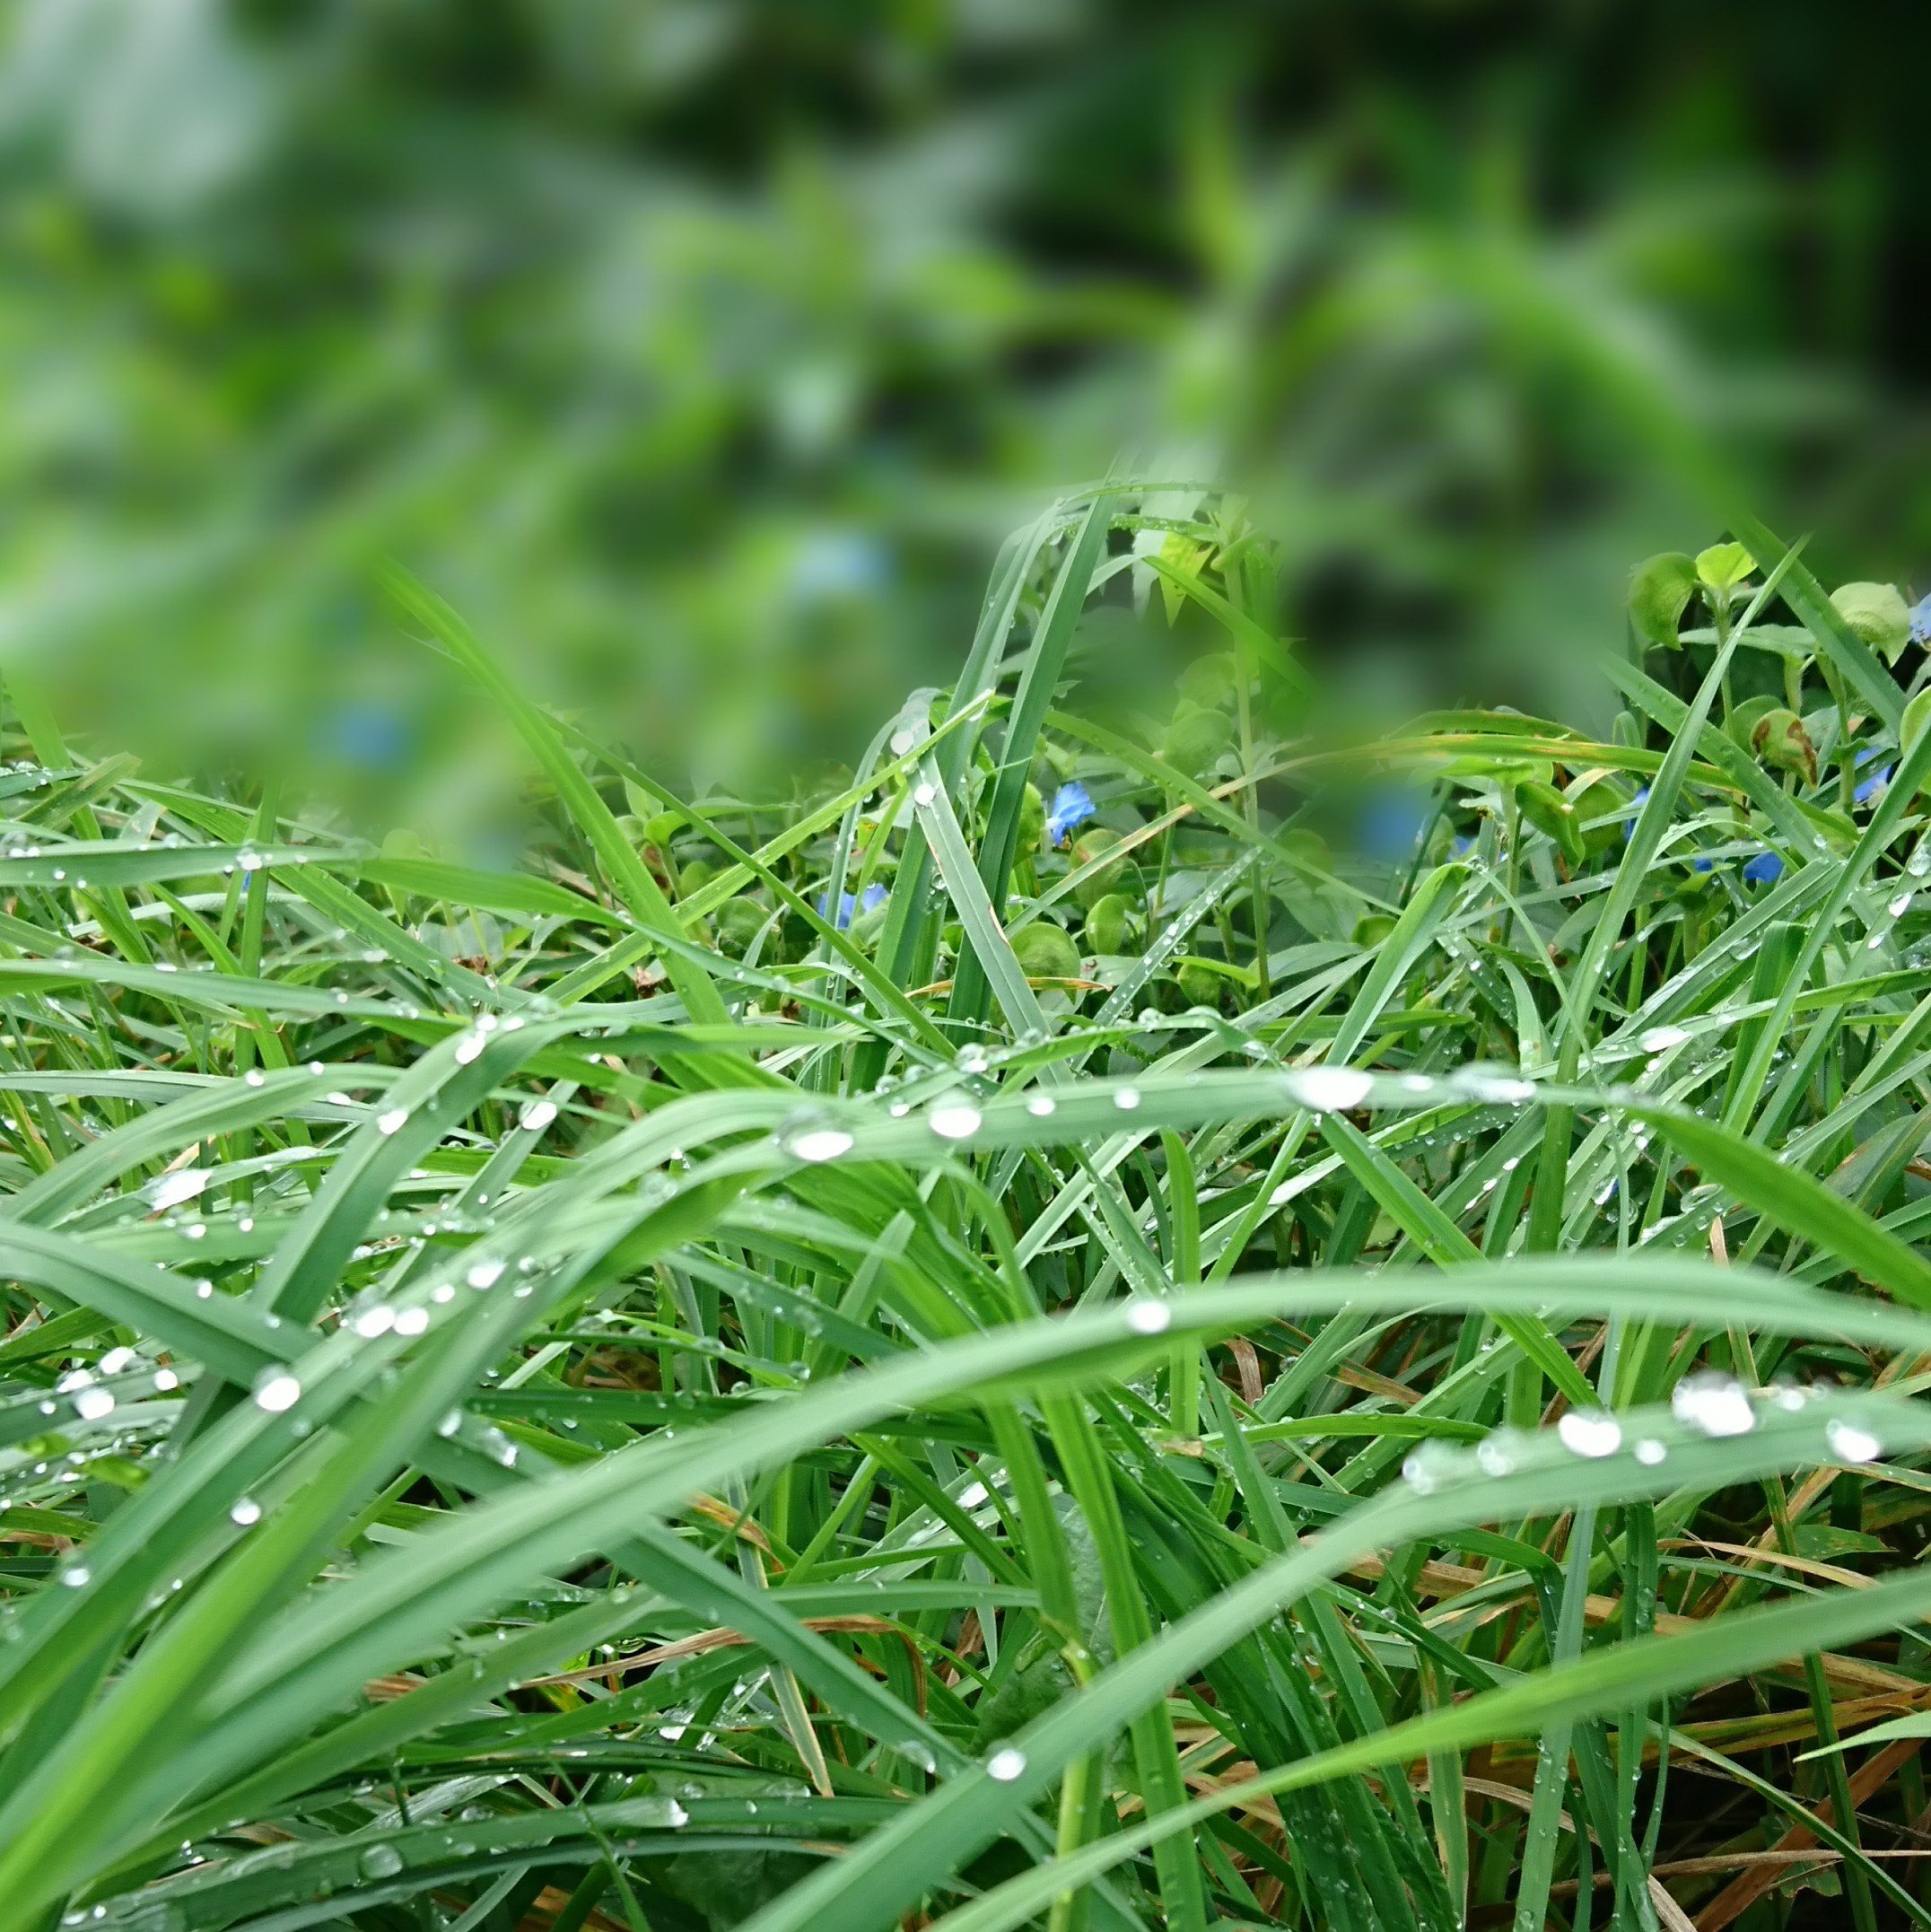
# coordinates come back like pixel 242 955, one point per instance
pixel 1707 1403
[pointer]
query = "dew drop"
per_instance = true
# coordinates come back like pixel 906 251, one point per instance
pixel 1591 1432
pixel 171 1190
pixel 537 1115
pixel 1040 1105
pixel 276 1391
pixel 1851 1443
pixel 1714 1404
pixel 1126 1100
pixel 393 1122
pixel 247 1510
pixel 1661 1039
pixel 1148 1318
pixel 954 1121
pixel 1005 1765
pixel 820 1143
pixel 1331 1089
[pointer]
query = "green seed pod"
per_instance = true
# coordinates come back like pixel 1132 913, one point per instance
pixel 1208 681
pixel 1200 985
pixel 1032 820
pixel 1087 846
pixel 695 874
pixel 1194 740
pixel 1659 590
pixel 1112 926
pixel 1549 811
pixel 1741 723
pixel 1371 929
pixel 738 921
pixel 1599 799
pixel 662 827
pixel 1046 951
pixel 1781 741
pixel 1878 614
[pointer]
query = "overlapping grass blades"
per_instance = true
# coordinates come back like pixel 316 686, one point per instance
pixel 710 1417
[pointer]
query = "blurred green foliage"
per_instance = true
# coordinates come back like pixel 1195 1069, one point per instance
pixel 701 350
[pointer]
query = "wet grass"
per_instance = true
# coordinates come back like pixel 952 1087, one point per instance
pixel 1183 1376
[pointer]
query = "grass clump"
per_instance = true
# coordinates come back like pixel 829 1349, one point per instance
pixel 1054 1341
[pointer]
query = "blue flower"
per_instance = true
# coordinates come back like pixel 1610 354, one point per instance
pixel 1628 824
pixel 1921 620
pixel 1872 786
pixel 1071 808
pixel 870 900
pixel 1702 865
pixel 839 563
pixel 1391 823
pixel 368 737
pixel 1765 869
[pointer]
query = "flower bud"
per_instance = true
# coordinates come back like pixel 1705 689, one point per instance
pixel 1878 614
pixel 1781 741
pixel 1046 951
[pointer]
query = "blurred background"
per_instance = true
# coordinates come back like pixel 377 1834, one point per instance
pixel 702 351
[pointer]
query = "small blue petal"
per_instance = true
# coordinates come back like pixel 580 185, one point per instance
pixel 1703 865
pixel 1765 869
pixel 834 563
pixel 1071 808
pixel 1628 824
pixel 873 897
pixel 846 904
pixel 1872 786
pixel 1391 823
pixel 1461 845
pixel 367 736
pixel 1921 620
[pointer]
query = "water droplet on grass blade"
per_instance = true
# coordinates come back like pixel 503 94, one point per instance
pixel 1330 1089
pixel 955 1121
pixel 277 1390
pixel 247 1510
pixel 1005 1765
pixel 1851 1443
pixel 1148 1318
pixel 1714 1404
pixel 1591 1432
pixel 820 1143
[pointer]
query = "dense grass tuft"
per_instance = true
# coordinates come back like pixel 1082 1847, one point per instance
pixel 1112 1326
